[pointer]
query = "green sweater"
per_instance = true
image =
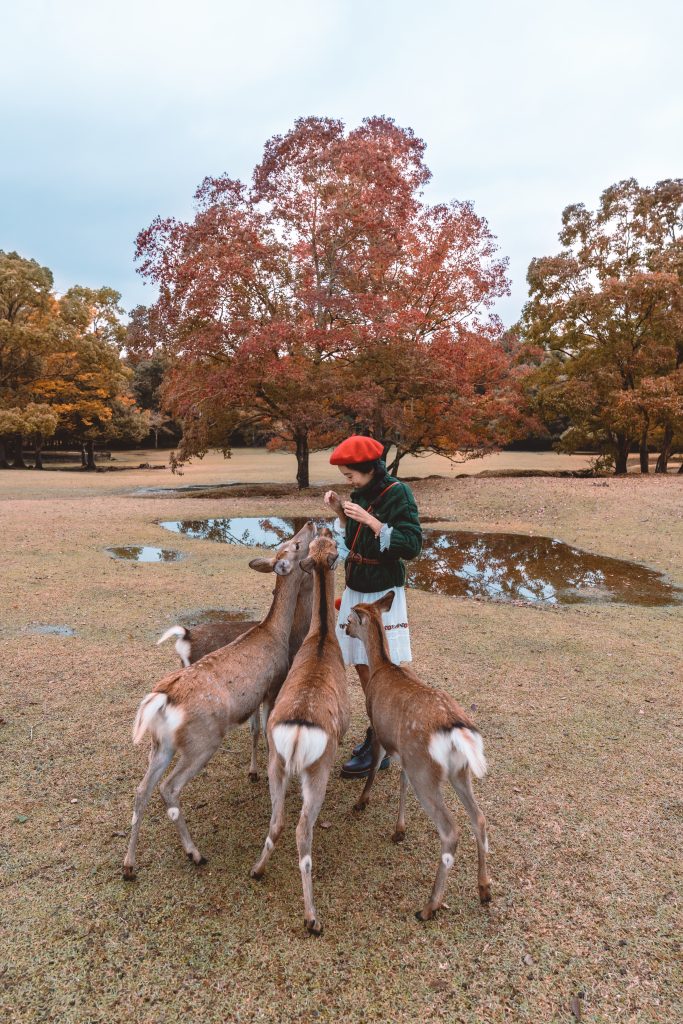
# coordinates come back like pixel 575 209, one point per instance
pixel 397 508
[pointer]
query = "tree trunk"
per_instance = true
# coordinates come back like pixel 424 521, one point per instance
pixel 156 438
pixel 644 453
pixel 4 464
pixel 84 463
pixel 665 453
pixel 302 460
pixel 393 468
pixel 680 468
pixel 621 457
pixel 39 451
pixel 90 455
pixel 18 461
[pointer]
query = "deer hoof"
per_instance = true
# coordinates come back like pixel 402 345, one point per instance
pixel 253 776
pixel 425 915
pixel 129 873
pixel 256 875
pixel 485 893
pixel 360 806
pixel 314 927
pixel 198 860
pixel 398 837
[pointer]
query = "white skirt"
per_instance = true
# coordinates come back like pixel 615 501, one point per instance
pixel 395 624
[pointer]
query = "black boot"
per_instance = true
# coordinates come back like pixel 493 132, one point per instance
pixel 358 766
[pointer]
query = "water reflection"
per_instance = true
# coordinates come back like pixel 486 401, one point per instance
pixel 142 553
pixel 495 566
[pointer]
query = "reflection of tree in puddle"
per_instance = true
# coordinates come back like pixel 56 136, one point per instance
pixel 247 531
pixel 140 553
pixel 514 567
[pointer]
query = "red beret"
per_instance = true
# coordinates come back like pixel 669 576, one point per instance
pixel 356 449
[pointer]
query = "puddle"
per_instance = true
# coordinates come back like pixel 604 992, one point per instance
pixel 268 532
pixel 51 630
pixel 141 553
pixel 210 616
pixel 495 566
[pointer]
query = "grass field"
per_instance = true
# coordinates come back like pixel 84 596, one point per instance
pixel 581 713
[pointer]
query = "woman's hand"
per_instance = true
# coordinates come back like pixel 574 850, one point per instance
pixel 361 515
pixel 333 501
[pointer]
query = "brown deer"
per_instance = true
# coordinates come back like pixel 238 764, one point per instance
pixel 190 711
pixel 194 642
pixel 434 739
pixel 310 717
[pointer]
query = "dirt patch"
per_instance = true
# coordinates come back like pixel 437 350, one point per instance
pixel 580 712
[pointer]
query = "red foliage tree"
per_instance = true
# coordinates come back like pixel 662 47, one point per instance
pixel 328 296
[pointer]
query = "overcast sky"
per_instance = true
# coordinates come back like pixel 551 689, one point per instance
pixel 113 112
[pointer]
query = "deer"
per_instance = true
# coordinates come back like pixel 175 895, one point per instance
pixel 433 738
pixel 194 642
pixel 309 719
pixel 190 710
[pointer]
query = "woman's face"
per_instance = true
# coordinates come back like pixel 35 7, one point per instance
pixel 353 477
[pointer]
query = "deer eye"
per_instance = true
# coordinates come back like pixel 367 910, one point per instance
pixel 296 547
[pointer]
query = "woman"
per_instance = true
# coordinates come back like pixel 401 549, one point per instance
pixel 381 528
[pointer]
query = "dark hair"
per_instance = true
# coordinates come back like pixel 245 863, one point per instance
pixel 373 466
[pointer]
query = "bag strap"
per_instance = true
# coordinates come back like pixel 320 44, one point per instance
pixel 369 509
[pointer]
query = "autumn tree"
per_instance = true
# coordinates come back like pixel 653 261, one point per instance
pixel 303 304
pixel 85 383
pixel 604 323
pixel 29 330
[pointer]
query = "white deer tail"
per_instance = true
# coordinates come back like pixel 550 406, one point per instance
pixel 156 716
pixel 178 631
pixel 182 644
pixel 459 747
pixel 299 745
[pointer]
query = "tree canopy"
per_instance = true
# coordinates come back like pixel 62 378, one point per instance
pixel 329 297
pixel 604 323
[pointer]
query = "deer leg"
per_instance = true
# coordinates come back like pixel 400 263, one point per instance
pixel 266 708
pixel 254 729
pixel 313 787
pixel 431 798
pixel 462 784
pixel 159 759
pixel 189 765
pixel 400 830
pixel 378 753
pixel 277 781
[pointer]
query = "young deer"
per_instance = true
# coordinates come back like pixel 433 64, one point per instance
pixel 195 642
pixel 310 717
pixel 191 710
pixel 434 739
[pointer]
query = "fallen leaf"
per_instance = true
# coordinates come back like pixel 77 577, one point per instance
pixel 575 1007
pixel 326 824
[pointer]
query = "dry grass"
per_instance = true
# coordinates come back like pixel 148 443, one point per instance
pixel 581 713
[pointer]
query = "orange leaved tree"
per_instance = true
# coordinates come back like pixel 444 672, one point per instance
pixel 328 296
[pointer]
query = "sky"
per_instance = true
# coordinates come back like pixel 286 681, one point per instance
pixel 114 112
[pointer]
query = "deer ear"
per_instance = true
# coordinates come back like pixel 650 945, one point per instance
pixel 385 603
pixel 262 565
pixel 360 613
pixel 307 564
